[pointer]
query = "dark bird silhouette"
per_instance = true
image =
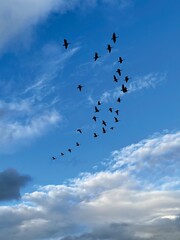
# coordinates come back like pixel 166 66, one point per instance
pixel 96 56
pixel 111 128
pixel 66 43
pixel 120 60
pixel 62 154
pixel 103 130
pixel 110 109
pixel 114 37
pixel 124 89
pixel 117 112
pixel 104 123
pixel 53 158
pixel 119 71
pixel 119 100
pixel 96 109
pixel 94 118
pixel 99 103
pixel 77 144
pixel 109 48
pixel 126 79
pixel 115 79
pixel 69 150
pixel 116 120
pixel 79 130
pixel 80 87
pixel 95 135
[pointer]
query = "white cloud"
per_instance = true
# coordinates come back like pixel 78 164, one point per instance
pixel 14 133
pixel 157 156
pixel 94 202
pixel 17 17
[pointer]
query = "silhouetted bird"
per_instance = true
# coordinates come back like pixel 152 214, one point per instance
pixel 111 128
pixel 99 103
pixel 116 120
pixel 96 56
pixel 79 130
pixel 53 158
pixel 77 144
pixel 120 60
pixel 109 48
pixel 117 112
pixel 103 130
pixel 95 135
pixel 119 100
pixel 69 150
pixel 80 87
pixel 110 109
pixel 104 123
pixel 126 79
pixel 119 71
pixel 96 109
pixel 115 79
pixel 94 118
pixel 114 37
pixel 62 154
pixel 66 43
pixel 124 89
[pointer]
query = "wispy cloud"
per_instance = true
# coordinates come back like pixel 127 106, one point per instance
pixel 107 203
pixel 29 112
pixel 150 80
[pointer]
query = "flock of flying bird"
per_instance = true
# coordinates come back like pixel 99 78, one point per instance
pixel 80 87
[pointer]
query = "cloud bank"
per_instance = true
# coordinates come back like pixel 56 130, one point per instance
pixel 108 204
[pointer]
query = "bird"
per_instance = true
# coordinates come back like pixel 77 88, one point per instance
pixel 96 56
pixel 77 144
pixel 109 48
pixel 126 79
pixel 114 37
pixel 80 87
pixel 53 158
pixel 111 128
pixel 124 89
pixel 115 79
pixel 62 154
pixel 95 135
pixel 117 112
pixel 119 100
pixel 69 150
pixel 66 43
pixel 96 109
pixel 104 123
pixel 103 130
pixel 116 120
pixel 94 118
pixel 79 130
pixel 110 109
pixel 120 60
pixel 99 103
pixel 119 71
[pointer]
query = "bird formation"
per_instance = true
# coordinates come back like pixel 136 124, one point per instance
pixel 97 109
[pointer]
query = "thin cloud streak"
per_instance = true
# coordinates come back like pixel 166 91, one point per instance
pixel 150 80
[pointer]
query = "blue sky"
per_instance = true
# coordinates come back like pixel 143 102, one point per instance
pixel 136 165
